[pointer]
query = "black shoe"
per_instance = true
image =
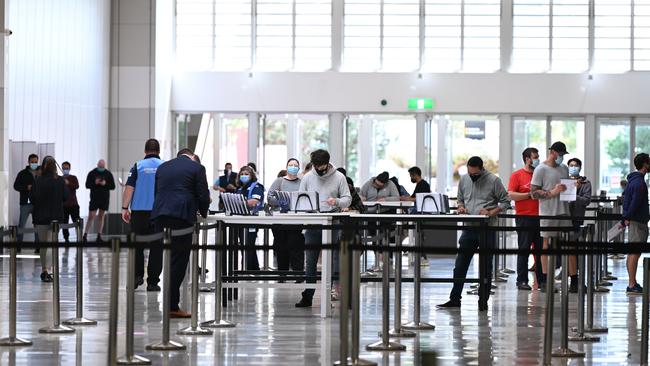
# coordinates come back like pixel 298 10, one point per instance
pixel 449 305
pixel 138 281
pixel 99 238
pixel 153 288
pixel 482 306
pixel 84 238
pixel 46 277
pixel 524 286
pixel 206 270
pixel 304 303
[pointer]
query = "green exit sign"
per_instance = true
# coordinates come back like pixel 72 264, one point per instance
pixel 420 103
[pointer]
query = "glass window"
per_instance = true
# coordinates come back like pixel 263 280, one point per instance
pixel 614 153
pixel 234 141
pixel 313 134
pixel 194 34
pixel 362 35
pixel 528 132
pixel 274 35
pixel 313 35
pixel 571 131
pixel 432 152
pixel 393 148
pixel 612 35
pixel 352 125
pixel 642 143
pixel 232 34
pixel 273 136
pixel 462 36
pixel 641 35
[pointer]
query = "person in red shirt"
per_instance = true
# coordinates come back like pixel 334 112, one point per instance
pixel 525 205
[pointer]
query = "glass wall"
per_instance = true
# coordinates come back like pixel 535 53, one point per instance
pixel 234 141
pixel 642 139
pixel 273 147
pixel 614 153
pixel 432 128
pixel 528 132
pixel 312 134
pixel 571 131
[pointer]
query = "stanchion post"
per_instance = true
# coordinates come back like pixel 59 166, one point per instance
pixel 57 327
pixel 564 351
pixel 644 311
pixel 218 322
pixel 114 302
pixel 131 358
pixel 166 344
pixel 204 263
pixel 580 335
pixel 385 344
pixel 591 285
pixel 13 340
pixel 194 329
pixel 416 324
pixel 344 317
pixel 504 244
pixel 548 316
pixel 397 330
pixel 79 318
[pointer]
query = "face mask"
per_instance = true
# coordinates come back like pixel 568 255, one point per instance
pixel 66 171
pixel 535 163
pixel 574 171
pixel 293 170
pixel 101 170
pixel 559 160
pixel 321 172
pixel 245 178
pixel 33 166
pixel 475 177
pixel 413 180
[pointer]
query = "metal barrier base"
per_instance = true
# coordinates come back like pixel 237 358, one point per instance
pixel 198 331
pixel 475 292
pixel 218 324
pixel 584 338
pixel 476 285
pixel 56 329
pixel 169 346
pixel 567 353
pixel 369 274
pixel 401 334
pixel 596 330
pixel 604 283
pixel 609 278
pixel 507 271
pixel 206 289
pixel 14 342
pixel 134 360
pixel 357 362
pixel 390 346
pixel 500 280
pixel 418 326
pixel 79 321
pixel 601 289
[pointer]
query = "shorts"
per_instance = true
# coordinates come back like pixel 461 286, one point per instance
pixel 553 223
pixel 95 205
pixel 637 232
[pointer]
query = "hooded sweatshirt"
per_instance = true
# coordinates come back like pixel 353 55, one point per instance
pixel 389 192
pixel 331 185
pixel 487 192
pixel 635 202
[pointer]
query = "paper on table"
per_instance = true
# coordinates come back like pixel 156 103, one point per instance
pixel 615 231
pixel 571 190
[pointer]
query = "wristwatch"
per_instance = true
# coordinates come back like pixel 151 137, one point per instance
pixel 125 208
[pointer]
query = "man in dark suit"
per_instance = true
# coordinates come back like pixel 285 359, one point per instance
pixel 227 182
pixel 181 192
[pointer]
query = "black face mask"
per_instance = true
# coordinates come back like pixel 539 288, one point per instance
pixel 321 172
pixel 475 177
pixel 413 180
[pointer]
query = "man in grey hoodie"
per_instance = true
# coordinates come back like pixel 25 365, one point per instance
pixel 479 193
pixel 334 195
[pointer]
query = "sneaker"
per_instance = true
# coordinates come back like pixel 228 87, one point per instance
pixel 179 314
pixel 634 290
pixel 524 286
pixel 46 277
pixel 153 288
pixel 424 262
pixel 138 281
pixel 449 305
pixel 573 287
pixel 304 303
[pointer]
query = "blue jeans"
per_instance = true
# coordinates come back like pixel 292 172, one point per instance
pixel 524 240
pixel 469 240
pixel 25 211
pixel 315 237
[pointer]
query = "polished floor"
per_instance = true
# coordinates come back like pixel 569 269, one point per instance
pixel 270 331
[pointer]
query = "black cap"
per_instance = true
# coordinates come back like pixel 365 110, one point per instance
pixel 560 147
pixel 383 177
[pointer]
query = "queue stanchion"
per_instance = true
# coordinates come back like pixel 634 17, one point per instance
pixel 57 327
pixel 79 318
pixel 606 275
pixel 564 351
pixel 644 312
pixel 13 340
pixel 580 335
pixel 166 344
pixel 113 310
pixel 505 271
pixel 599 284
pixel 385 344
pixel 416 324
pixel 131 358
pixel 195 329
pixel 344 316
pixel 204 287
pixel 591 287
pixel 367 272
pixel 397 330
pixel 548 316
pixel 218 322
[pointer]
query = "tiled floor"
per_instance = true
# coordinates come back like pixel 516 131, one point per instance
pixel 270 331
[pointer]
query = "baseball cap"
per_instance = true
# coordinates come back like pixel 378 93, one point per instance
pixel 560 147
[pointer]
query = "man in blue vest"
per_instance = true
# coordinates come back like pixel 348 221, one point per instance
pixel 139 195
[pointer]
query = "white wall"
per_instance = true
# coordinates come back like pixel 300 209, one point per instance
pixel 57 79
pixel 164 69
pixel 454 93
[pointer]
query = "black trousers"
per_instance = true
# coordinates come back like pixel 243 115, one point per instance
pixel 289 247
pixel 180 255
pixel 524 240
pixel 70 213
pixel 247 239
pixel 141 225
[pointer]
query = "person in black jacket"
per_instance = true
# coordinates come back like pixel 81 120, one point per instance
pixel 48 196
pixel 100 182
pixel 181 191
pixel 23 184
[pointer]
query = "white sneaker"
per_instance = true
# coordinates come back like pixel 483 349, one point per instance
pixel 424 262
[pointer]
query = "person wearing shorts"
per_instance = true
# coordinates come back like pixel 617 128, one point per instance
pixel 100 182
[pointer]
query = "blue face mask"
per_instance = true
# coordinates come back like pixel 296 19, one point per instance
pixel 559 160
pixel 293 170
pixel 535 163
pixel 101 170
pixel 574 171
pixel 245 178
pixel 33 166
pixel 66 171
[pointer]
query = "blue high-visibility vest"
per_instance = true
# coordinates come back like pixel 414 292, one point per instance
pixel 145 184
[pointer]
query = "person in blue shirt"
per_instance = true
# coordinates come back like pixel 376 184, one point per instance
pixel 253 191
pixel 139 196
pixel 227 182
